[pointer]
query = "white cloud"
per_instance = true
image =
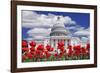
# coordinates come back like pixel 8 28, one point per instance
pixel 35 38
pixel 29 39
pixel 39 37
pixel 31 19
pixel 84 32
pixel 80 28
pixel 75 40
pixel 68 20
pixel 69 28
pixel 84 39
pixel 39 32
pixel 75 28
pixel 29 15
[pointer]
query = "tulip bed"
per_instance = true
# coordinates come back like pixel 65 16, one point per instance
pixel 41 53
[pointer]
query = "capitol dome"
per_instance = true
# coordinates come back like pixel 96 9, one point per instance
pixel 58 29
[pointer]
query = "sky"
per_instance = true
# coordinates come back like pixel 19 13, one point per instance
pixel 38 24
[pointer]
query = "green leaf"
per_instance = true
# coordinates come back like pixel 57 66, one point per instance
pixel 27 60
pixel 63 58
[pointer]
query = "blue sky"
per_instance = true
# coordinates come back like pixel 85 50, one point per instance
pixel 81 19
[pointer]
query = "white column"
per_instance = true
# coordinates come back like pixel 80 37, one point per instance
pixel 69 42
pixel 56 44
pixel 66 43
pixel 52 43
pixel 44 42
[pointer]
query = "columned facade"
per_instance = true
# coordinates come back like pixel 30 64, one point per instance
pixel 55 39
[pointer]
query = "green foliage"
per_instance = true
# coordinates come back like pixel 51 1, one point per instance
pixel 27 60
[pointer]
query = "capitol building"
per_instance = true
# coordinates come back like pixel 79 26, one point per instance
pixel 59 33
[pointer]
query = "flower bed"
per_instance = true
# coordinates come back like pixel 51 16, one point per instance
pixel 39 52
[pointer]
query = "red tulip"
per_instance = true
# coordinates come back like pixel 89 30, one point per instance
pixel 32 52
pixel 70 52
pixel 83 50
pixel 61 44
pixel 24 57
pixel 58 47
pixel 37 52
pixel 56 54
pixel 77 53
pixel 62 48
pixel 45 51
pixel 40 47
pixel 41 55
pixel 48 54
pixel 32 49
pixel 77 50
pixel 51 49
pixel 48 47
pixel 32 44
pixel 61 54
pixel 69 47
pixel 29 55
pixel 78 47
pixel 35 55
pixel 24 43
pixel 88 47
pixel 25 49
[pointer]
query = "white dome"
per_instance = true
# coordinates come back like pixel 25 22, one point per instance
pixel 58 29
